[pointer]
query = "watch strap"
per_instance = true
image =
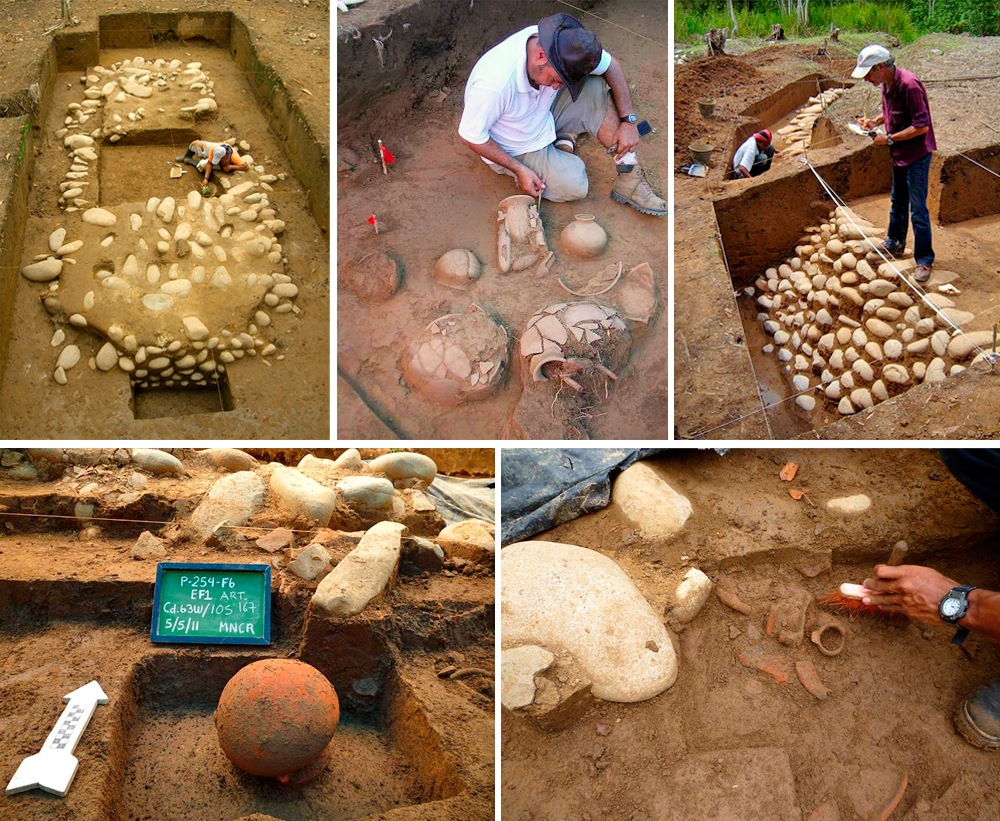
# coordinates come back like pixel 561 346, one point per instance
pixel 961 634
pixel 631 118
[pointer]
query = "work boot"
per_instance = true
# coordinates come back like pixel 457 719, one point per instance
pixel 922 273
pixel 632 189
pixel 978 716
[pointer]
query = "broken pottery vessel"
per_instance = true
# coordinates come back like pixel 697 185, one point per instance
pixel 570 340
pixel 637 296
pixel 521 236
pixel 457 357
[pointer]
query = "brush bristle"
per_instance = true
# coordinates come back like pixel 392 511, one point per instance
pixel 836 603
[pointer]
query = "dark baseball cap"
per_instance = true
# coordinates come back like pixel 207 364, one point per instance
pixel 573 50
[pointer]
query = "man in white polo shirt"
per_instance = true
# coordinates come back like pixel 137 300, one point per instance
pixel 530 96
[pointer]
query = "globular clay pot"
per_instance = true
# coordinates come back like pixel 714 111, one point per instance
pixel 583 237
pixel 459 268
pixel 276 717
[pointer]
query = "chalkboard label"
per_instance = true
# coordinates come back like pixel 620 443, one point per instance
pixel 212 603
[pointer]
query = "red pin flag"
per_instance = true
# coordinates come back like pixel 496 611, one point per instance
pixel 373 222
pixel 385 155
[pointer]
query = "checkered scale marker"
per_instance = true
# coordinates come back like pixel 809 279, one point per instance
pixel 67 726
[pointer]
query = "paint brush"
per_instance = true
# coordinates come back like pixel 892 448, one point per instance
pixel 847 600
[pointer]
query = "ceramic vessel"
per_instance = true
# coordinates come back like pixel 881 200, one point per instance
pixel 583 237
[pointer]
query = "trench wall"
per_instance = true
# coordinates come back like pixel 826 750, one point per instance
pixel 430 42
pixel 763 223
pixel 783 102
pixel 967 191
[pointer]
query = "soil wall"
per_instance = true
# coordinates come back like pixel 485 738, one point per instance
pixel 966 190
pixel 429 41
pixel 764 223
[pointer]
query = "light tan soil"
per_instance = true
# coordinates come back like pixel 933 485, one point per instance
pixel 439 196
pixel 729 741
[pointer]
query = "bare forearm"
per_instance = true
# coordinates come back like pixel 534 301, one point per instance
pixel 908 133
pixel 983 616
pixel 615 78
pixel 494 153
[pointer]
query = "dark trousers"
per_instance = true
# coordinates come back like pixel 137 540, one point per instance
pixel 909 201
pixel 979 470
pixel 762 162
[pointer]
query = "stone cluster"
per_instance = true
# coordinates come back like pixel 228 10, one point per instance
pixel 177 288
pixel 797 135
pixel 847 330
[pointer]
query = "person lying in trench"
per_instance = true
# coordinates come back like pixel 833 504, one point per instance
pixel 926 595
pixel 531 96
pixel 754 156
pixel 205 156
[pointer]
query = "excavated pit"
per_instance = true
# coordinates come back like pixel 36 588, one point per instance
pixel 438 196
pixel 255 395
pixel 74 606
pixel 966 231
pixel 776 110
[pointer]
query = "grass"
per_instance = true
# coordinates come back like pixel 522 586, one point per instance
pixel 860 16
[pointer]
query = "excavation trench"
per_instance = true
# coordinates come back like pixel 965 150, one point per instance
pixel 134 155
pixel 775 111
pixel 155 753
pixel 738 712
pixel 788 212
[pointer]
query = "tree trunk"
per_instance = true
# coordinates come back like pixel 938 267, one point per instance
pixel 834 31
pixel 716 41
pixel 777 33
pixel 732 14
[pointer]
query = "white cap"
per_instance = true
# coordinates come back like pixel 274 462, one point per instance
pixel 870 56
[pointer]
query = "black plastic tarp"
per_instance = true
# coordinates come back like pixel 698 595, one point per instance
pixel 543 487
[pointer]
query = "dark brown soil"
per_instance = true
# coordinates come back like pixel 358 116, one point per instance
pixel 729 740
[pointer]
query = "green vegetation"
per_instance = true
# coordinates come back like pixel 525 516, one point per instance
pixel 906 20
pixel 24 144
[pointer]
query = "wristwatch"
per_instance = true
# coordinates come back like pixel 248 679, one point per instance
pixel 952 609
pixel 631 118
pixel 888 139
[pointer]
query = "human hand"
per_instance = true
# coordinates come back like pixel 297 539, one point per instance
pixel 530 182
pixel 627 137
pixel 910 589
pixel 880 139
pixel 866 124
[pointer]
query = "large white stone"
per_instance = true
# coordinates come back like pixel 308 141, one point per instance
pixel 364 574
pixel 405 465
pixel 157 461
pixel 567 598
pixel 303 496
pixel 44 271
pixel 518 668
pixel 648 503
pixel 98 216
pixel 232 500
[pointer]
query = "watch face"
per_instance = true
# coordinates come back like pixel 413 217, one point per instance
pixel 950 607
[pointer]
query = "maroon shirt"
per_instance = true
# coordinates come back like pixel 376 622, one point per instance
pixel 903 105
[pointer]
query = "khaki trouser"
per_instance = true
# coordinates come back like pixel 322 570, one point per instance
pixel 565 174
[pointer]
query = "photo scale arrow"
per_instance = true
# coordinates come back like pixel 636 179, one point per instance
pixel 54 768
